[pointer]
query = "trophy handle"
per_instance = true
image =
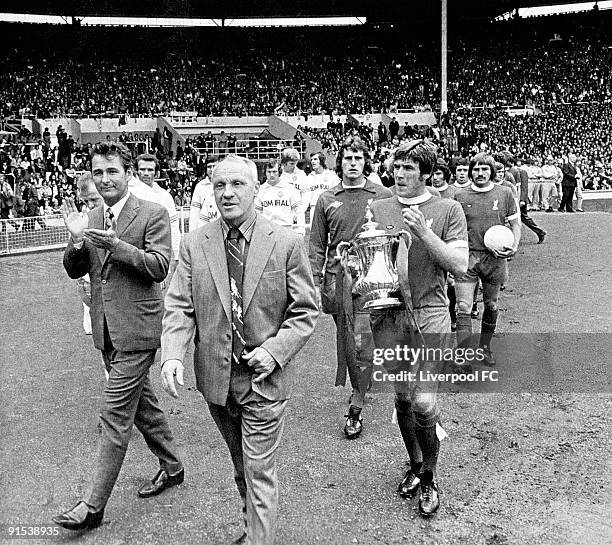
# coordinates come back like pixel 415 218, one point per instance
pixel 407 238
pixel 340 248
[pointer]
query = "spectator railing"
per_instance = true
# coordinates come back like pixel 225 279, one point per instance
pixel 32 234
pixel 253 148
pixel 21 235
pixel 35 233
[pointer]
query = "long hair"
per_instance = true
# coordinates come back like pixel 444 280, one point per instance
pixel 354 143
pixel 482 159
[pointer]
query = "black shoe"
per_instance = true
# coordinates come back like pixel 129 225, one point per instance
pixel 429 501
pixel 353 426
pixel 79 518
pixel 560 210
pixel 549 210
pixel 502 287
pixel 541 237
pixel 409 485
pixel 489 359
pixel 160 482
pixel 453 325
pixel 240 540
pixel 474 314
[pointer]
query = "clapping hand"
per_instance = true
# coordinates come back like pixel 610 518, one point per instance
pixel 75 222
pixel 103 239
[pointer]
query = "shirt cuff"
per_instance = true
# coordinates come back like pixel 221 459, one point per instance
pixel 513 217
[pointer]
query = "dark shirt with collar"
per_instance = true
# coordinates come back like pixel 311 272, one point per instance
pixel 339 216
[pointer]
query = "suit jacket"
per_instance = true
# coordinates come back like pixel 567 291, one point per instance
pixel 279 307
pixel 124 283
pixel 569 175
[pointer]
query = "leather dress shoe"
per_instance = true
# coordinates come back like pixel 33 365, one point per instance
pixel 160 482
pixel 429 500
pixel 353 426
pixel 409 485
pixel 79 518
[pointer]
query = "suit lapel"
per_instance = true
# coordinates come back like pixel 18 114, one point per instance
pixel 128 213
pixel 260 249
pixel 214 252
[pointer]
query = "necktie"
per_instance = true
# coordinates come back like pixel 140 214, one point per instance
pixel 235 267
pixel 108 219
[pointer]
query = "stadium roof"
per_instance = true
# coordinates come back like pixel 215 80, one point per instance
pixel 374 10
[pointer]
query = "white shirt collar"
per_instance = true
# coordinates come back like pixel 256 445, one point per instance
pixel 419 199
pixel 443 187
pixel 466 184
pixel 483 189
pixel 118 206
pixel 360 186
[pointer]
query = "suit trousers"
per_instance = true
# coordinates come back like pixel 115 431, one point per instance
pixel 567 198
pixel 528 222
pixel 252 427
pixel 129 399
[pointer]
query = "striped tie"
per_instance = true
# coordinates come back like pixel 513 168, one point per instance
pixel 109 219
pixel 235 267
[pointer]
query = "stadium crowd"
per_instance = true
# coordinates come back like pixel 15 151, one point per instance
pixel 528 62
pixel 559 68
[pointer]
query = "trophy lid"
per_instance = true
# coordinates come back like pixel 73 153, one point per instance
pixel 370 228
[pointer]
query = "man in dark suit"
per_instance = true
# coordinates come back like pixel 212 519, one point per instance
pixel 521 179
pixel 125 247
pixel 568 183
pixel 243 290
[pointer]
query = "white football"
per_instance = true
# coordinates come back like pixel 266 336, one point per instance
pixel 498 237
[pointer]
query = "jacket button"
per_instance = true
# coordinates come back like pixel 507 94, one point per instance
pixel 103 281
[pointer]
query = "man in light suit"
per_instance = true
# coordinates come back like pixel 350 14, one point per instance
pixel 243 291
pixel 125 247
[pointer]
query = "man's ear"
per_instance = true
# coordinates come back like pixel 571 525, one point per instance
pixel 257 185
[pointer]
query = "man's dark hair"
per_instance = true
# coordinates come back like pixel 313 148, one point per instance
pixel 273 163
pixel 148 157
pixel 422 152
pixel 443 167
pixel 211 159
pixel 462 161
pixel 482 159
pixel 354 143
pixel 321 157
pixel 111 148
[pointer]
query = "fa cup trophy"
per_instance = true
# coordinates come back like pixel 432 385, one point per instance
pixel 376 252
